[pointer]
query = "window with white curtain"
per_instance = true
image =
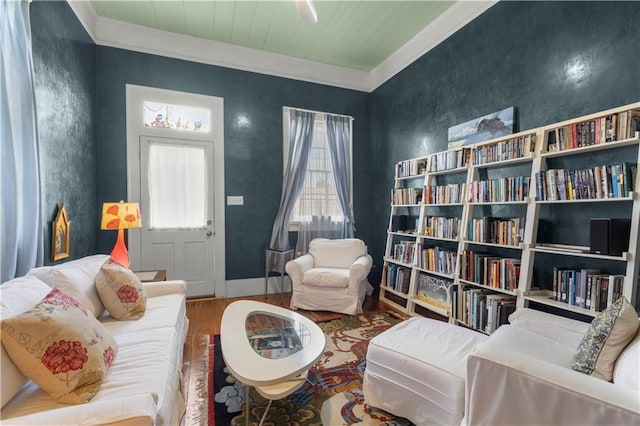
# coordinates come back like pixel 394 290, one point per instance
pixel 177 187
pixel 318 197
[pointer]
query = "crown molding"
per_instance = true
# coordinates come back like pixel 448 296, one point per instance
pixel 445 25
pixel 86 14
pixel 113 33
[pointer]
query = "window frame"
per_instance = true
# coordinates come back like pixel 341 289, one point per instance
pixel 294 225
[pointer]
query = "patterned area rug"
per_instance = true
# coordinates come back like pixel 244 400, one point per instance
pixel 332 394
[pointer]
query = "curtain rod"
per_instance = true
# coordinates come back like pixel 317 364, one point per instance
pixel 320 112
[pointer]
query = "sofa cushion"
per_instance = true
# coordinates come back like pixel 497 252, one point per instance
pixel 76 276
pixel 121 292
pixel 61 346
pixel 627 369
pixel 608 335
pixel 17 296
pixel 327 277
pixel 336 253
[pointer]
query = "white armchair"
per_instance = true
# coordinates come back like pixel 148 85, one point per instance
pixel 332 276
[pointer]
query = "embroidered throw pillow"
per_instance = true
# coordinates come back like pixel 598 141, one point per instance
pixel 609 334
pixel 121 292
pixel 61 346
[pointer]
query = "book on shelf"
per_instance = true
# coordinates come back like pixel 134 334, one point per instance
pixel 499 307
pixel 614 127
pixel 599 182
pixel 434 290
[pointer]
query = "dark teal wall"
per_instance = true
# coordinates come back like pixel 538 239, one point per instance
pixel 65 79
pixel 530 55
pixel 253 154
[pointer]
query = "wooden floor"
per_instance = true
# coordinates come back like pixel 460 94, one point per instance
pixel 205 317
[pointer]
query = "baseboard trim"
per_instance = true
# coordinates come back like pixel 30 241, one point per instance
pixel 255 286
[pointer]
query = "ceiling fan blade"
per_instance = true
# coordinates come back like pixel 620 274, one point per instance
pixel 307 11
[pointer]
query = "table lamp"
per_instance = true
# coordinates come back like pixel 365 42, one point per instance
pixel 120 216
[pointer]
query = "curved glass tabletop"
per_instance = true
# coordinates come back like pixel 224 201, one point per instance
pixel 273 336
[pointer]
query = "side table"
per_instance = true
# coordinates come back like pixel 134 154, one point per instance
pixel 275 261
pixel 151 276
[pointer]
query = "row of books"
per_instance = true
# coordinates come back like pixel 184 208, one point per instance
pixel 449 160
pixel 510 149
pixel 444 194
pixel 506 231
pixel 437 259
pixel 396 277
pixel 489 270
pixel 482 310
pixel 614 127
pixel 404 196
pixel 442 227
pixel 409 168
pixel 404 251
pixel 599 182
pixel 514 188
pixel 586 288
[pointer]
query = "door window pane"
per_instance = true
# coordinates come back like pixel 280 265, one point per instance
pixel 177 117
pixel 177 187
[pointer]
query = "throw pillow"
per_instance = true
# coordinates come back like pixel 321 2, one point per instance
pixel 61 346
pixel 608 335
pixel 121 291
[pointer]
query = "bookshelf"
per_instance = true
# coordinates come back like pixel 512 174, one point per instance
pixel 488 230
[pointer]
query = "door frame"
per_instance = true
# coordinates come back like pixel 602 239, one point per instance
pixel 135 95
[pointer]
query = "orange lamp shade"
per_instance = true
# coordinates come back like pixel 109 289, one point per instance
pixel 120 216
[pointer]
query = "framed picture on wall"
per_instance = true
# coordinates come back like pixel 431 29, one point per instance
pixel 60 235
pixel 490 126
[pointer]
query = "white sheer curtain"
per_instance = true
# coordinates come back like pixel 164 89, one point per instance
pixel 177 187
pixel 339 141
pixel 20 227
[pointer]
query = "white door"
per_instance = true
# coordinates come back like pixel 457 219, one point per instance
pixel 177 194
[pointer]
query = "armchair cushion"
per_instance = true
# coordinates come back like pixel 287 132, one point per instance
pixel 336 253
pixel 327 277
pixel 609 334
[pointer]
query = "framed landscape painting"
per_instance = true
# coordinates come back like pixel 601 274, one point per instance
pixel 490 126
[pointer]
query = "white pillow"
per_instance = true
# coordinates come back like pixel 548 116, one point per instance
pixel 76 276
pixel 17 296
pixel 336 253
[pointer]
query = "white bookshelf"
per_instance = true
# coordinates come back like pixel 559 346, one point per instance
pixel 528 206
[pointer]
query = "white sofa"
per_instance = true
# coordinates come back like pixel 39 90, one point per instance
pixel 521 376
pixel 144 383
pixel 332 276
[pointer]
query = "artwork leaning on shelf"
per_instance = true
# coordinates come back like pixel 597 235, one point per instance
pixel 435 290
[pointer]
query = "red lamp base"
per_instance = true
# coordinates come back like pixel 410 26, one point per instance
pixel 119 254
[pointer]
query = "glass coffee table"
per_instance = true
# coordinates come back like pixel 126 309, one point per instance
pixel 269 347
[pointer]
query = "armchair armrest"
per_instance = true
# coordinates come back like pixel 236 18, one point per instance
pixel 360 269
pixel 160 288
pixel 132 410
pixel 507 388
pixel 297 267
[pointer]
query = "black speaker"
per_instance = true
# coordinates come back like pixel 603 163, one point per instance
pixel 399 222
pixel 619 231
pixel 609 236
pixel 599 236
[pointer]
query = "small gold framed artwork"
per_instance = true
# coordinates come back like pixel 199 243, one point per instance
pixel 60 235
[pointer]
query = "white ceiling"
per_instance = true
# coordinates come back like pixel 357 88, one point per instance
pixel 356 44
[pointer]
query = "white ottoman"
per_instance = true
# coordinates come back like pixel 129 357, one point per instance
pixel 416 370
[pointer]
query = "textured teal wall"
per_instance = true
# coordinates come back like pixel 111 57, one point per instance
pixel 253 153
pixel 551 60
pixel 65 78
